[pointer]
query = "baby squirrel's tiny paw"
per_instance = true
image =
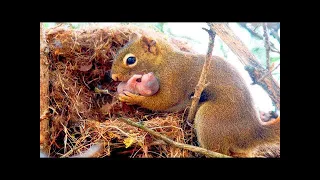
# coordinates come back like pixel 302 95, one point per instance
pixel 130 98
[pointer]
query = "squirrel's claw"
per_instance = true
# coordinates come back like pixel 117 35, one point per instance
pixel 130 98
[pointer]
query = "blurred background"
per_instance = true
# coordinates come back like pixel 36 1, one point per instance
pixel 250 33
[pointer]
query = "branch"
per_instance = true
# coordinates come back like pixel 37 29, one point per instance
pixel 256 35
pixel 274 27
pixel 176 144
pixel 44 93
pixel 268 73
pixel 275 35
pixel 266 44
pixel 276 51
pixel 254 68
pixel 202 81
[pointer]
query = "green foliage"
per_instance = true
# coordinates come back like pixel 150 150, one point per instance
pixel 223 50
pixel 260 53
pixel 75 25
pixel 45 25
pixel 274 59
pixel 159 26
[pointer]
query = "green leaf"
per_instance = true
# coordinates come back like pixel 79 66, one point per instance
pixel 274 59
pixel 257 50
pixel 45 25
pixel 223 51
pixel 260 53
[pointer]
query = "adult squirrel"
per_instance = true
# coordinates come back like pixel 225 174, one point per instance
pixel 226 122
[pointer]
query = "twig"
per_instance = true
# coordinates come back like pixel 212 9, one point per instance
pixel 266 44
pixel 254 68
pixel 276 51
pixel 44 94
pixel 202 81
pixel 255 34
pixel 104 91
pixel 274 27
pixel 275 35
pixel 268 73
pixel 176 144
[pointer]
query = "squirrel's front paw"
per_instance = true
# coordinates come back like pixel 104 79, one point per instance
pixel 130 98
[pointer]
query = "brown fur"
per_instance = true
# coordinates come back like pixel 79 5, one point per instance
pixel 227 122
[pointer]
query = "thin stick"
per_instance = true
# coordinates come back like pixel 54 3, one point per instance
pixel 202 81
pixel 104 91
pixel 266 44
pixel 268 73
pixel 276 51
pixel 176 144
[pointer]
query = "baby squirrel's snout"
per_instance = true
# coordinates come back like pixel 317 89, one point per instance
pixel 138 80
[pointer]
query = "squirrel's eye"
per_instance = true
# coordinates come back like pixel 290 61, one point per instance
pixel 131 60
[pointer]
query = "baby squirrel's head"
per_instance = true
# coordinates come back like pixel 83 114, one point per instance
pixel 140 56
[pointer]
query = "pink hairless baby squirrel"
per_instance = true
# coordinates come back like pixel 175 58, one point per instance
pixel 145 85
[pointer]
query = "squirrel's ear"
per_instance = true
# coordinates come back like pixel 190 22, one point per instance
pixel 149 45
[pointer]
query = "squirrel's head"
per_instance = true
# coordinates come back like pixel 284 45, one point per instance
pixel 139 56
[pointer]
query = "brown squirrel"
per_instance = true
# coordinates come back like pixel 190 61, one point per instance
pixel 227 122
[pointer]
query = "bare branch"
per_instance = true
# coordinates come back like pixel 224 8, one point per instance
pixel 276 51
pixel 254 68
pixel 176 144
pixel 275 35
pixel 258 36
pixel 274 27
pixel 202 81
pixel 266 44
pixel 44 94
pixel 268 73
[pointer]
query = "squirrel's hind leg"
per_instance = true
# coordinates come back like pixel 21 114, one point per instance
pixel 216 132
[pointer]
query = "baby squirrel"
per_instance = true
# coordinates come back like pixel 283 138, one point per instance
pixel 227 122
pixel 145 85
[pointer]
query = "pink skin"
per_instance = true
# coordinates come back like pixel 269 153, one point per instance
pixel 144 85
pixel 267 116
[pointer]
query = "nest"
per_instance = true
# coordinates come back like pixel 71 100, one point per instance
pixel 80 61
